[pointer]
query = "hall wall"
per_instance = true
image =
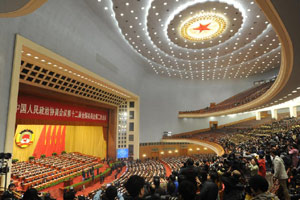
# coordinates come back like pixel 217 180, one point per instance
pixel 72 30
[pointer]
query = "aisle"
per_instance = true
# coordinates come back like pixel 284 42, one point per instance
pixel 168 169
pixel 108 179
pixel 57 193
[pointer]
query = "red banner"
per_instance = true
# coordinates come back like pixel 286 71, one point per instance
pixel 34 108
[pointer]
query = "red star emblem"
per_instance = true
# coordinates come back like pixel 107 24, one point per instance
pixel 202 27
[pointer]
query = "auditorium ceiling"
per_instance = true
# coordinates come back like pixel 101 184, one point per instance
pixel 199 39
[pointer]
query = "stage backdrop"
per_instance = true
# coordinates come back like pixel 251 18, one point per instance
pixel 57 138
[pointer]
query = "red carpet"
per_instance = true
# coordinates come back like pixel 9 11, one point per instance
pixel 57 193
pixel 168 169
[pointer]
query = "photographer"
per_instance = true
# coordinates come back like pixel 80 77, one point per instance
pixel 253 167
pixel 280 172
pixel 158 190
pixel 135 188
pixel 31 194
pixel 190 172
pixel 234 189
pixel 108 192
pixel 209 190
pixel 259 188
pixel 9 195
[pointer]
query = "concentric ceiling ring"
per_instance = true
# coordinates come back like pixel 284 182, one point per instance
pixel 245 45
pixel 207 26
pixel 197 28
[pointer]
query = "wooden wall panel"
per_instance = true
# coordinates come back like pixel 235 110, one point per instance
pixel 152 151
pixel 112 131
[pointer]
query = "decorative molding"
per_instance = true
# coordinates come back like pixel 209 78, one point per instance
pixel 218 149
pixel 286 67
pixel 28 8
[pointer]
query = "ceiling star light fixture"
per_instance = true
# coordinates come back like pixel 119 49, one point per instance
pixel 205 26
pixel 235 51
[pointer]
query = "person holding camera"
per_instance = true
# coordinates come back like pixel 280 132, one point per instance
pixel 158 189
pixel 253 167
pixel 9 194
pixel 234 189
pixel 259 189
pixel 209 190
pixel 280 172
pixel 135 188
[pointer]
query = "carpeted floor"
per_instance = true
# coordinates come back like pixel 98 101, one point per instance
pixel 168 169
pixel 57 191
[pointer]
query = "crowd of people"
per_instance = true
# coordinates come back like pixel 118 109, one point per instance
pixel 42 171
pixel 236 100
pixel 265 166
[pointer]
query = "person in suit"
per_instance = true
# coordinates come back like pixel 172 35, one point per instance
pixel 83 174
pixel 9 195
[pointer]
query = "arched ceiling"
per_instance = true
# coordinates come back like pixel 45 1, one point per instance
pixel 199 39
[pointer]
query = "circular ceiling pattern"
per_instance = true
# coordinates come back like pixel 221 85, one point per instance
pixel 202 27
pixel 173 37
pixel 198 19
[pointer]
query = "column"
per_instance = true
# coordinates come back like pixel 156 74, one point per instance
pixel 293 111
pixel 258 115
pixel 274 114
